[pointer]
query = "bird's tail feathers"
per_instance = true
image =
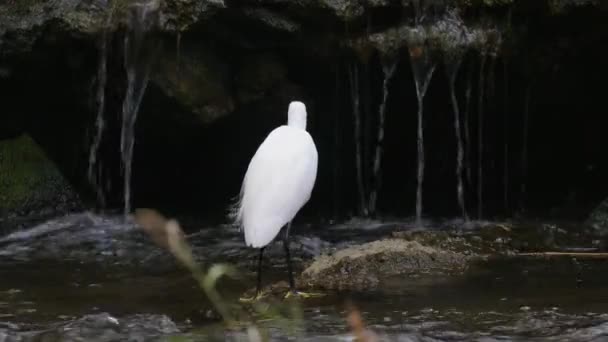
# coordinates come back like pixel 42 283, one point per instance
pixel 235 210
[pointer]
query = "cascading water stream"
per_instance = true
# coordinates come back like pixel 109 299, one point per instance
pixel 94 171
pixel 452 65
pixel 178 53
pixel 506 136
pixel 422 68
pixel 454 40
pixel 467 134
pixel 137 65
pixel 524 151
pixel 367 136
pixel 480 91
pixel 506 114
pixel 354 90
pixel 337 141
pixel 388 70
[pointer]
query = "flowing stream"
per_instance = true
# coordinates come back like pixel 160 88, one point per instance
pixel 96 278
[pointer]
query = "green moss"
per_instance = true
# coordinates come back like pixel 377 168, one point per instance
pixel 27 176
pixel 21 6
pixel 490 3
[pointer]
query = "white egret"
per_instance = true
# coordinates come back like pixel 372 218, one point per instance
pixel 277 184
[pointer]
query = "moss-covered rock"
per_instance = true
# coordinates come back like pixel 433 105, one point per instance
pixel 364 266
pixel 28 179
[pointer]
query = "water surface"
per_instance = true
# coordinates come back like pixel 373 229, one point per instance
pixel 86 277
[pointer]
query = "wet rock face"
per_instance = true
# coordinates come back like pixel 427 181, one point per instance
pixel 178 15
pixel 364 266
pixel 22 22
pixel 197 81
pixel 235 57
pixel 259 74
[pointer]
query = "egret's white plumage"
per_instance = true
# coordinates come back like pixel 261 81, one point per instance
pixel 279 179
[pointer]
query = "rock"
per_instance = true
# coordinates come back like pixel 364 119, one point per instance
pixel 178 15
pixel 22 22
pixel 365 265
pixel 598 219
pixel 257 75
pixel 344 9
pixel 198 81
pixel 272 19
pixel 29 180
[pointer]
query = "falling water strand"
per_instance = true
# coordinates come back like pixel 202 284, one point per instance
pixel 422 68
pixel 337 140
pixel 524 152
pixel 491 78
pixel 452 67
pixel 178 54
pixel 354 90
pixel 420 9
pixel 99 121
pixel 467 136
pixel 480 91
pixel 506 136
pixel 388 69
pixel 137 81
pixel 366 129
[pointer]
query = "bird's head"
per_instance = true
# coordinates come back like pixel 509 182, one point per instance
pixel 296 115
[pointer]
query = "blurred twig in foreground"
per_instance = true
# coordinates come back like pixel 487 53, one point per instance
pixel 355 321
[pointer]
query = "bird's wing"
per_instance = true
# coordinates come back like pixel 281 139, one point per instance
pixel 278 183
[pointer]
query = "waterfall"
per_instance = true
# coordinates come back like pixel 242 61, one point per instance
pixel 506 136
pixel 452 64
pixel 337 142
pixel 524 151
pixel 454 40
pixel 94 170
pixel 137 61
pixel 354 90
pixel 422 68
pixel 388 70
pixel 480 94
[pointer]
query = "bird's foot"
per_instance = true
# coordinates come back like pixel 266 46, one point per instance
pixel 253 299
pixel 305 295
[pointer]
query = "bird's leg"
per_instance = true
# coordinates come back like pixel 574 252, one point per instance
pixel 258 288
pixel 292 284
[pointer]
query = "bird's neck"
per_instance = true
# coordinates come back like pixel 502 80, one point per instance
pixel 297 121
